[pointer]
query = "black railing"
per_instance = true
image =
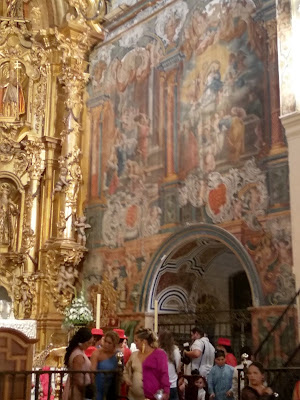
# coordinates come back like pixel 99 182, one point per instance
pixel 233 324
pixel 31 385
pixel 281 380
pixel 48 384
pixel 268 351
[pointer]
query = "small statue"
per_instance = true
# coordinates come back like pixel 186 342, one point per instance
pixel 9 216
pixel 62 181
pixel 80 227
pixel 66 278
pixel 61 224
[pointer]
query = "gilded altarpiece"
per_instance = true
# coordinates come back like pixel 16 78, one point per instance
pixel 43 74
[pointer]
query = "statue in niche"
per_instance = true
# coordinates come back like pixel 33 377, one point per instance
pixel 14 8
pixel 81 226
pixel 12 101
pixel 23 299
pixel 9 215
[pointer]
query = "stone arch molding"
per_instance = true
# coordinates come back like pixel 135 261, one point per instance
pixel 205 233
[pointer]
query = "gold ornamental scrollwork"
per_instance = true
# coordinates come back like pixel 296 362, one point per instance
pixel 70 178
pixel 109 299
pixel 24 296
pixel 89 11
pixel 62 270
pixel 35 154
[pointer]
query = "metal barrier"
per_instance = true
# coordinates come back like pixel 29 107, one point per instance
pixel 47 384
pixel 31 385
pixel 281 380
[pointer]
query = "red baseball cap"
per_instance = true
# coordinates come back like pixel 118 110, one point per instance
pixel 121 333
pixel 89 351
pixel 224 341
pixel 98 332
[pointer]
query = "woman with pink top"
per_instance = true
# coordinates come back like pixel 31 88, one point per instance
pixel 146 372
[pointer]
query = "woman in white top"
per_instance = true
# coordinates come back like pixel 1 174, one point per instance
pixel 166 342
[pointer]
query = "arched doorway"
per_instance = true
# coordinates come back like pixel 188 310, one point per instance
pixel 200 275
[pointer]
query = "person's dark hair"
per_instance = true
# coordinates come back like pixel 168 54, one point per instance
pixel 81 336
pixel 199 330
pixel 204 380
pixel 257 365
pixel 166 342
pixel 147 334
pixel 219 353
pixel 113 336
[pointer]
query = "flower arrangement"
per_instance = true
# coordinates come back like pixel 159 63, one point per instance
pixel 78 313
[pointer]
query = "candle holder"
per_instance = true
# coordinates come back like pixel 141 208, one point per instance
pixel 120 358
pixel 245 357
pixel 159 394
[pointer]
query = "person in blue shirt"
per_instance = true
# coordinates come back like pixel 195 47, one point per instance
pixel 220 378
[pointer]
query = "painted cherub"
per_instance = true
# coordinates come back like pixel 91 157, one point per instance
pixel 80 227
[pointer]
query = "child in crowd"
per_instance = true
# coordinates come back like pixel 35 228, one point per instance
pixel 225 345
pixel 201 384
pixel 220 378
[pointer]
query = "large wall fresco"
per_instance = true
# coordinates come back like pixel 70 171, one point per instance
pixel 181 134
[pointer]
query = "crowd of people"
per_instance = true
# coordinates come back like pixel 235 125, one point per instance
pixel 154 370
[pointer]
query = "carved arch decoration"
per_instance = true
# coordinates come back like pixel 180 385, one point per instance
pixel 206 233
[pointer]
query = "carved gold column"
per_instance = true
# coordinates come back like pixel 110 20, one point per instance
pixel 62 252
pixel 31 225
pixel 277 142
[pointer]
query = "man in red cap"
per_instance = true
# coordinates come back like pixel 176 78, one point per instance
pixel 123 344
pixel 97 335
pixel 126 354
pixel 225 345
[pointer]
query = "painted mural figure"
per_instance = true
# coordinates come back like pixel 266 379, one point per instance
pixel 111 174
pixel 236 134
pixel 213 84
pixel 143 124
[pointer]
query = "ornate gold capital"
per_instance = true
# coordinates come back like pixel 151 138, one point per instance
pixel 35 151
pixel 89 12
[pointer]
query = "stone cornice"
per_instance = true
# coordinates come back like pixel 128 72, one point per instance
pixel 291 124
